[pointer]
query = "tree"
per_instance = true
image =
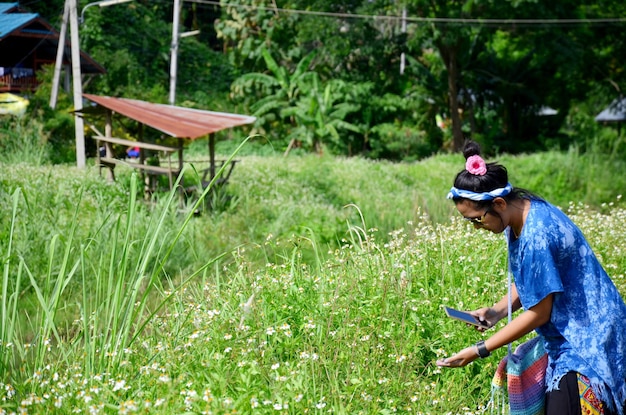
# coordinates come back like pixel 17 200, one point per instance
pixel 604 64
pixel 507 68
pixel 488 79
pixel 51 10
pixel 247 31
pixel 450 41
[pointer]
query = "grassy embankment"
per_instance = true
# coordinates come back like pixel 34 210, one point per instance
pixel 285 301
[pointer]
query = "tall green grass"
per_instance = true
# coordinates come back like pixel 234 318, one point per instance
pixel 357 332
pixel 317 289
pixel 22 141
pixel 278 197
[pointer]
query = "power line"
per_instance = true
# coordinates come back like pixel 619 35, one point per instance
pixel 435 20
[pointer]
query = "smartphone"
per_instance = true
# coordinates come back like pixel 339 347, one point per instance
pixel 465 317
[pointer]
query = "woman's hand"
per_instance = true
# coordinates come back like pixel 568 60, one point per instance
pixel 523 324
pixel 488 315
pixel 462 358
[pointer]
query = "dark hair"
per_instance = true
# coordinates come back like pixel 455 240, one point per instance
pixel 496 177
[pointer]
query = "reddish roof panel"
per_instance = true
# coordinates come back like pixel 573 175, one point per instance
pixel 175 121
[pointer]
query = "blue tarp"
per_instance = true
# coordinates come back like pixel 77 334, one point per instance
pixel 616 112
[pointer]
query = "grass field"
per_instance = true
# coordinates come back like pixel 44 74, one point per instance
pixel 316 287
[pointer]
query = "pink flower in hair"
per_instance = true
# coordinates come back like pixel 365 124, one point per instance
pixel 476 165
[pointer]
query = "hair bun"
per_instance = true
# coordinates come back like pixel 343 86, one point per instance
pixel 471 149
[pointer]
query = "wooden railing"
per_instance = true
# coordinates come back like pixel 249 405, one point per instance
pixel 23 83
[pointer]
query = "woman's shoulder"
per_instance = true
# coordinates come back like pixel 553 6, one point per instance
pixel 543 207
pixel 549 220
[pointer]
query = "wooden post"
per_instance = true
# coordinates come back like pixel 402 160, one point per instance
pixel 180 153
pixel 78 86
pixel 142 160
pixel 181 161
pixel 212 154
pixel 108 132
pixel 59 60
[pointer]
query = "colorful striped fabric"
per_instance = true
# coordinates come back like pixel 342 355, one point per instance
pixel 523 374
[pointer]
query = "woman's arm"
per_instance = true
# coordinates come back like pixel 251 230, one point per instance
pixel 523 324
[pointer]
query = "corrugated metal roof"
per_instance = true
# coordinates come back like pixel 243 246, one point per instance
pixel 13 21
pixel 175 121
pixel 5 7
pixel 23 35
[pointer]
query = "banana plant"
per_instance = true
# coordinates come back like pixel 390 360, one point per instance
pixel 275 91
pixel 320 115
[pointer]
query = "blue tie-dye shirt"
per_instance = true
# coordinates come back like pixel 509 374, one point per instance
pixel 587 328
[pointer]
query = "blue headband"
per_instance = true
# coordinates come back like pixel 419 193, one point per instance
pixel 477 197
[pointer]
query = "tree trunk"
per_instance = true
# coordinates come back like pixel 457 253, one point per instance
pixel 449 55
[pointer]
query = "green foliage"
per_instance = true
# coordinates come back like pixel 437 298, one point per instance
pixel 411 133
pixel 41 135
pixel 394 140
pixel 132 42
pixel 272 95
pixel 115 287
pixel 562 177
pixel 319 115
pixel 508 71
pixel 203 69
pixel 278 85
pixel 274 195
pixel 52 10
pixel 357 50
pixel 247 31
pixel 22 142
pixel 487 80
pixel 582 132
pixel 58 127
pixel 334 114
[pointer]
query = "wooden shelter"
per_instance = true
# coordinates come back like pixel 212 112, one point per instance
pixel 177 122
pixel 27 42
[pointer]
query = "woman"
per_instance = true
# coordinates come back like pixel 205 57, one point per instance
pixel 567 297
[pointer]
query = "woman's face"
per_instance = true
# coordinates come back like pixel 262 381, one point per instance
pixel 481 217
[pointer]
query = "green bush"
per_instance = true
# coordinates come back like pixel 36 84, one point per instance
pixel 22 141
pixel 396 142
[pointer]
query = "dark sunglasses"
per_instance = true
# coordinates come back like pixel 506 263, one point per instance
pixel 479 220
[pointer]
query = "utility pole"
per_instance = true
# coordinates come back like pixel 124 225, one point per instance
pixel 174 52
pixel 77 85
pixel 71 10
pixel 59 61
pixel 176 36
pixel 402 56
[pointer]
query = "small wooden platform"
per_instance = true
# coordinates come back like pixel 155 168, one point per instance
pixel 112 162
pixel 171 170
